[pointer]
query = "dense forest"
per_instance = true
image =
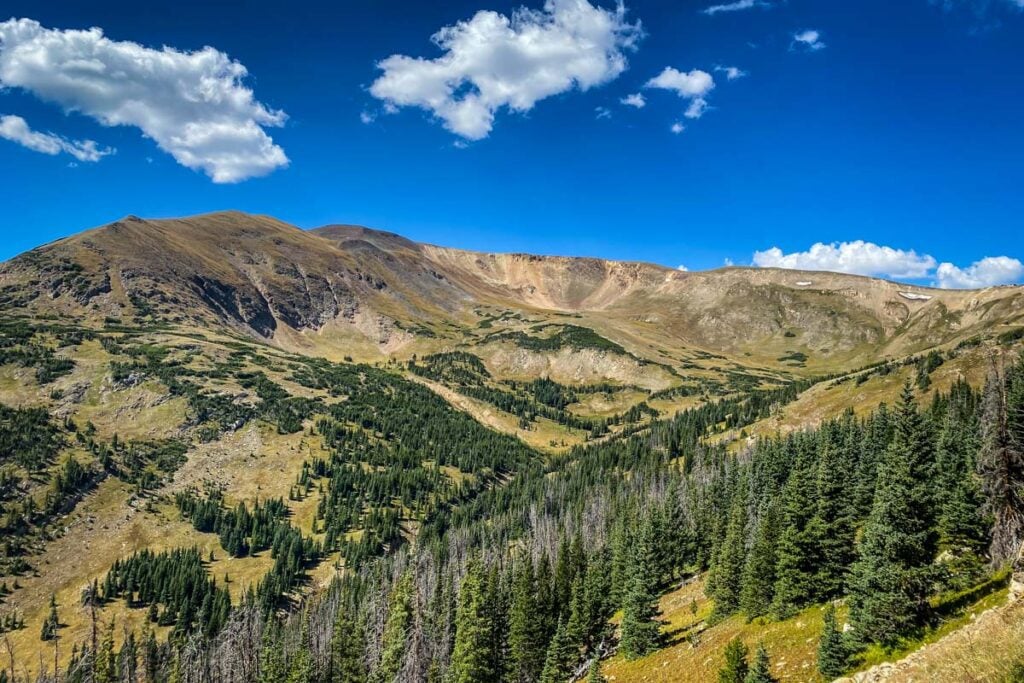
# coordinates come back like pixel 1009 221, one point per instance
pixel 538 568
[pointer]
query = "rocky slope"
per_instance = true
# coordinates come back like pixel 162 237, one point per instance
pixel 348 289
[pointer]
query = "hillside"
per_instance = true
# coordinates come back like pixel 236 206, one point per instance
pixel 265 413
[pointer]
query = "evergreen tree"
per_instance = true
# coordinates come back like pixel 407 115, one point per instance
pixel 52 621
pixel 347 645
pixel 594 674
pixel 300 668
pixel 106 658
pixel 894 574
pixel 396 630
pixel 761 672
pixel 472 657
pixel 729 561
pixel 735 668
pixel 833 526
pixel 640 630
pixel 525 640
pixel 797 551
pixel 758 586
pixel 272 668
pixel 561 657
pixel 961 523
pixel 833 654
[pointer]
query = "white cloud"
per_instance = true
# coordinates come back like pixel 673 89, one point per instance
pixel 635 100
pixel 692 85
pixel 192 104
pixel 16 129
pixel 367 117
pixel 866 258
pixel 492 61
pixel 737 6
pixel 602 113
pixel 809 40
pixel 682 268
pixel 677 128
pixel 858 257
pixel 732 72
pixel 989 271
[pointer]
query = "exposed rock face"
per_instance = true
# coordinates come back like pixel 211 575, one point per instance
pixel 260 276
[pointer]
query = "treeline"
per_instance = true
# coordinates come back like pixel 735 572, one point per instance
pixel 529 401
pixel 518 582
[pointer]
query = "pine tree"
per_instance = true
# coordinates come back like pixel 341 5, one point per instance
pixel 272 668
pixel 797 550
pixel 561 656
pixel 761 672
pixel 52 621
pixel 735 668
pixel 893 576
pixel 347 645
pixel 961 523
pixel 640 630
pixel 594 674
pixel 833 654
pixel 472 660
pixel 106 658
pixel 833 526
pixel 525 640
pixel 396 630
pixel 759 571
pixel 729 561
pixel 300 668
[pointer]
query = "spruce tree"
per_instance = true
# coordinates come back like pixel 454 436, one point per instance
pixel 761 671
pixel 52 621
pixel 560 658
pixel 797 551
pixel 833 526
pixel 396 630
pixel 735 668
pixel 525 640
pixel 759 572
pixel 640 630
pixel 472 660
pixel 833 653
pixel 894 574
pixel 594 674
pixel 272 668
pixel 729 561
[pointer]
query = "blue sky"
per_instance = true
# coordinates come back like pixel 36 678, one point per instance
pixel 895 124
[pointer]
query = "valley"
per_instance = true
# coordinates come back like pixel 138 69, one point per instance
pixel 363 449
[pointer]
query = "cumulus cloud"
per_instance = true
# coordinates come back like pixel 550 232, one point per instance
pixel 16 129
pixel 690 85
pixel 192 104
pixel 635 100
pixel 858 257
pixel 809 40
pixel 736 6
pixel 989 271
pixel 866 258
pixel 602 113
pixel 492 61
pixel 682 268
pixel 677 128
pixel 732 72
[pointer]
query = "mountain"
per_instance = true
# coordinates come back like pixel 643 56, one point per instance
pixel 338 286
pixel 224 429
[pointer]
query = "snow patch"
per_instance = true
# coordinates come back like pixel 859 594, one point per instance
pixel 914 296
pixel 804 283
